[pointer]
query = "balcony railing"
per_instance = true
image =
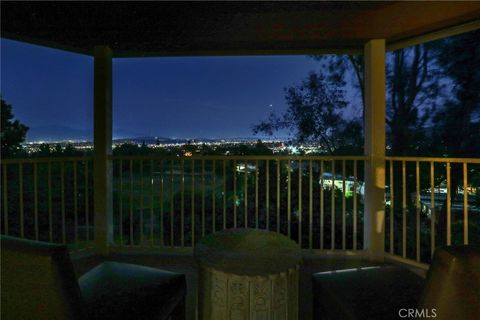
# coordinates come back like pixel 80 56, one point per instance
pixel 175 201
pixel 48 199
pixel 430 202
pixel 315 200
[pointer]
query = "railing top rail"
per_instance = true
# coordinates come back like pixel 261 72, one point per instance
pixel 435 159
pixel 46 159
pixel 239 157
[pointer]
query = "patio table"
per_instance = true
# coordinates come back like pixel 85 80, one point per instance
pixel 248 274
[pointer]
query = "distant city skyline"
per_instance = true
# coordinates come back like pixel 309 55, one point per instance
pixel 185 97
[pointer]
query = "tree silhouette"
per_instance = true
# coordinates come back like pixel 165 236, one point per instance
pixel 316 107
pixel 315 114
pixel 457 123
pixel 412 91
pixel 13 132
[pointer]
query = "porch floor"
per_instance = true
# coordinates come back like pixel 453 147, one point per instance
pixel 184 263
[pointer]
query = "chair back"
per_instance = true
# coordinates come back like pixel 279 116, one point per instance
pixel 38 281
pixel 453 283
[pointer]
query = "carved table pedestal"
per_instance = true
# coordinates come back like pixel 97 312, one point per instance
pixel 248 274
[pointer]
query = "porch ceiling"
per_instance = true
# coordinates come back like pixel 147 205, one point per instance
pixel 196 28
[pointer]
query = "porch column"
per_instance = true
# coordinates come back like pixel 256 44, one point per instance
pixel 374 212
pixel 102 142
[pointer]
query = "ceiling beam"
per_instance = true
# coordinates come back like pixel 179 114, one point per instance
pixel 436 35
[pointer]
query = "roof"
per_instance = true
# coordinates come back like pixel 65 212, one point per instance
pixel 134 29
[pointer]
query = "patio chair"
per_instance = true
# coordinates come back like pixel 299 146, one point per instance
pixel 451 290
pixel 38 282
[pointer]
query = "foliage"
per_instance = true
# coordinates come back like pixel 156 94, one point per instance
pixel 338 67
pixel 316 107
pixel 13 132
pixel 315 114
pixel 46 150
pixel 129 149
pixel 457 123
pixel 412 92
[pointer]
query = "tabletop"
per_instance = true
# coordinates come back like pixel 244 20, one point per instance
pixel 248 252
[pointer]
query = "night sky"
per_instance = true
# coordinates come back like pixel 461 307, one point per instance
pixel 212 97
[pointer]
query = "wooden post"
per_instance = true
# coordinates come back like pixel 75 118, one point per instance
pixel 374 222
pixel 102 142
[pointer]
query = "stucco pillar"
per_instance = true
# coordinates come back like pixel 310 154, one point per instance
pixel 374 211
pixel 102 141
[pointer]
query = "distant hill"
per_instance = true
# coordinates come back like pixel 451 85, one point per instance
pixel 57 133
pixel 54 133
pixel 163 140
